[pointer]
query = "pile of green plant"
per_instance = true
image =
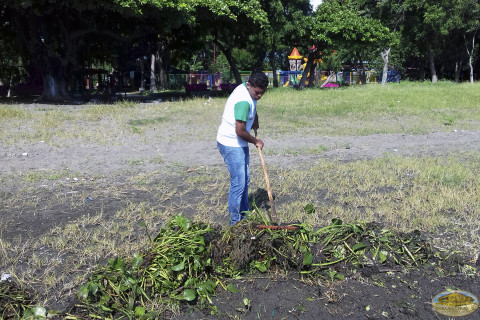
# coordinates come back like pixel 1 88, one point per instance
pixel 17 302
pixel 188 261
pixel 174 269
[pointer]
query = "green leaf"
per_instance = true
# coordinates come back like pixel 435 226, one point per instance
pixel 104 308
pixel 383 239
pixel 179 267
pixel 337 222
pixel 137 261
pixel 231 287
pixel 261 266
pixel 83 292
pixel 189 295
pixel 28 314
pixel 182 222
pixel 309 209
pixel 117 264
pixel 357 228
pixel 304 249
pixel 358 246
pixel 39 311
pixel 383 256
pixel 139 311
pixel 206 287
pixel 189 282
pixel 307 259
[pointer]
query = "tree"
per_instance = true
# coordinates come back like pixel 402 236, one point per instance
pixel 10 59
pixel 57 36
pixel 230 24
pixel 392 15
pixel 339 25
pixel 288 24
pixel 467 25
pixel 429 26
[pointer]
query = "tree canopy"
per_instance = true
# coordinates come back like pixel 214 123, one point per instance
pixel 53 42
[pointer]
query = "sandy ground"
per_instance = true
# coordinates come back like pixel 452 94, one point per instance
pixel 104 159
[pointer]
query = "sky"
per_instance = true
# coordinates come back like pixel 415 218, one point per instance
pixel 315 3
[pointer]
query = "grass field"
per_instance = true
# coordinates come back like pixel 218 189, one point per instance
pixel 437 194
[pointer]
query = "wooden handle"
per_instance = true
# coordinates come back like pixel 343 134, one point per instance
pixel 269 189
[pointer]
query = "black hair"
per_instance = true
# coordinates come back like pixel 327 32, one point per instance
pixel 258 79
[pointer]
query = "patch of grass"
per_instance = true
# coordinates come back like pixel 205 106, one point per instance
pixel 10 112
pixel 136 162
pixel 146 122
pixel 413 108
pixel 408 193
pixel 360 110
pixel 39 175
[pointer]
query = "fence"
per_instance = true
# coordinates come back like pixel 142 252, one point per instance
pixel 285 78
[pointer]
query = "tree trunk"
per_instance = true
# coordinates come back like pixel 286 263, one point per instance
pixel 153 81
pixel 162 64
pixel 458 70
pixel 471 68
pixel 10 82
pixel 361 73
pixel 432 65
pixel 53 88
pixel 231 61
pixel 384 55
pixel 311 57
pixel 54 84
pixel 271 57
pixel 470 53
pixel 162 77
pixel 142 76
pixel 421 71
pixel 311 78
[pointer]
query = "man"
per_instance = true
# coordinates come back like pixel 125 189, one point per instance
pixel 233 136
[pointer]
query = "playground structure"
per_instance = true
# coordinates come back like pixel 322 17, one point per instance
pixel 294 75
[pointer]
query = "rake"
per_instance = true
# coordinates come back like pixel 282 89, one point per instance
pixel 275 225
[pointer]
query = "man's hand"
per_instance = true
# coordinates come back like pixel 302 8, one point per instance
pixel 260 142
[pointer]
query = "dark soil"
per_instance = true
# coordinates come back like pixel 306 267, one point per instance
pixel 397 295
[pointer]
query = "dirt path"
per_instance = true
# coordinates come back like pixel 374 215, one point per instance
pixel 101 159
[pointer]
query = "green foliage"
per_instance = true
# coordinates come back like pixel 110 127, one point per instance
pixel 14 302
pixel 174 269
pixel 343 28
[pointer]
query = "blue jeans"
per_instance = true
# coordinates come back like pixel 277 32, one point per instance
pixel 237 160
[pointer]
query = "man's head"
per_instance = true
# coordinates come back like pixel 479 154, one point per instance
pixel 257 84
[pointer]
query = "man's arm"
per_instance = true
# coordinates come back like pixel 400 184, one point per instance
pixel 255 125
pixel 241 131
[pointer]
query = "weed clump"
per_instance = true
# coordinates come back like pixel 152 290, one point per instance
pixel 15 301
pixel 187 262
